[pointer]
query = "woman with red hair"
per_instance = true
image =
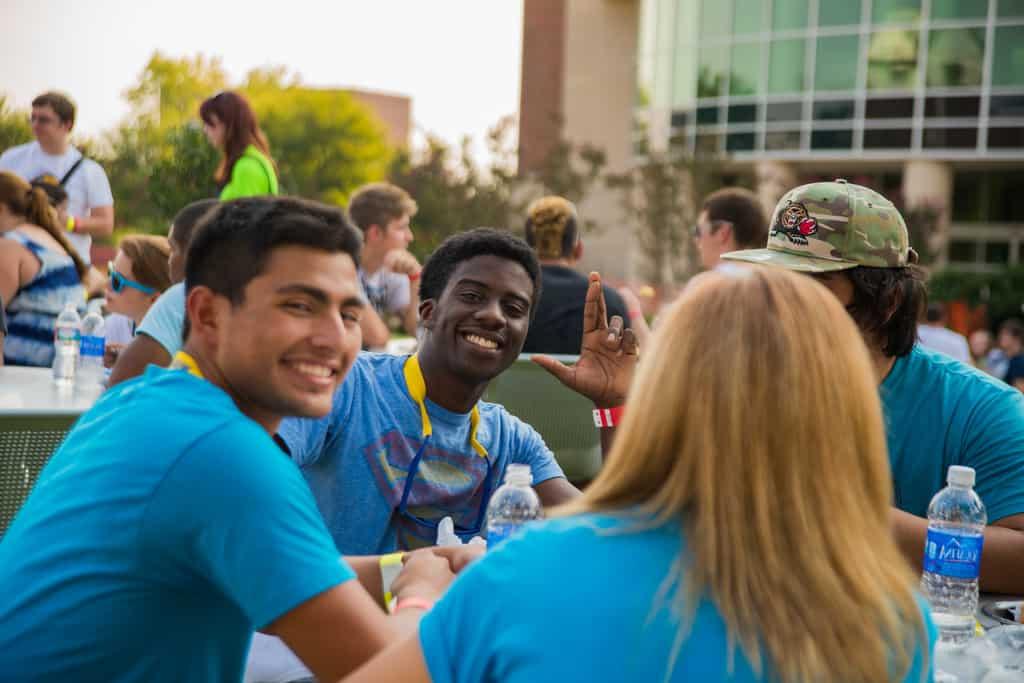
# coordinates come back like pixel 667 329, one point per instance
pixel 246 168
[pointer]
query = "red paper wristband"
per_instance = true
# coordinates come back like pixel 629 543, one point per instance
pixel 608 417
pixel 413 277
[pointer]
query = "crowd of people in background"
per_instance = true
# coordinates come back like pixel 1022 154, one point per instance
pixel 804 365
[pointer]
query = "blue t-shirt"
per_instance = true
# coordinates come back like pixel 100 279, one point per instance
pixel 166 318
pixel 166 528
pixel 356 459
pixel 941 412
pixel 593 587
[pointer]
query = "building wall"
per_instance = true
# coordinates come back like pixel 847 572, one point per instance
pixel 394 111
pixel 542 81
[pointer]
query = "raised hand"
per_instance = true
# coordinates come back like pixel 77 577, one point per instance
pixel 402 262
pixel 608 354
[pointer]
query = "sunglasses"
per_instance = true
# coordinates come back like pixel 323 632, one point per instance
pixel 465 533
pixel 118 282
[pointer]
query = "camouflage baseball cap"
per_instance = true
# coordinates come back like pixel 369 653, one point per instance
pixel 825 227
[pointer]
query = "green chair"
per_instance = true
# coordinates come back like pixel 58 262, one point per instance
pixel 561 416
pixel 26 443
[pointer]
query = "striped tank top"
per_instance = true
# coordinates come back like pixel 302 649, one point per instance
pixel 33 311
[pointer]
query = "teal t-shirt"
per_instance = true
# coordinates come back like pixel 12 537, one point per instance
pixel 166 528
pixel 579 599
pixel 252 176
pixel 941 412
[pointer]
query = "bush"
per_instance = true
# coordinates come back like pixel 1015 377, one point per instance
pixel 1002 292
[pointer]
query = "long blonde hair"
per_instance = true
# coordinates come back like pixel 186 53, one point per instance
pixel 754 423
pixel 32 203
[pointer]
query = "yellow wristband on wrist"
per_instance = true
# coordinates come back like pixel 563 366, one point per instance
pixel 71 224
pixel 390 568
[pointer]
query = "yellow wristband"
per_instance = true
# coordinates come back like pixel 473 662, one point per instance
pixel 71 224
pixel 390 568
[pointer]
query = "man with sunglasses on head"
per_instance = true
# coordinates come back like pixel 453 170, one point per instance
pixel 90 211
pixel 731 218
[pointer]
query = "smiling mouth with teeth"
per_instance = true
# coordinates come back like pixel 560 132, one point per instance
pixel 480 341
pixel 315 370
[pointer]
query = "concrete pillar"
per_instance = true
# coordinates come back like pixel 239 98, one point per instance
pixel 929 184
pixel 774 179
pixel 597 102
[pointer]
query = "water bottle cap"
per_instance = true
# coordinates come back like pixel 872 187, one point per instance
pixel 519 474
pixel 960 476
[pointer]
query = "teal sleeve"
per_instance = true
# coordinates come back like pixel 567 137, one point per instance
pixel 248 179
pixel 236 511
pixel 993 444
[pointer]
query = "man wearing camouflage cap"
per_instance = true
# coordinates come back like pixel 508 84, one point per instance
pixel 939 412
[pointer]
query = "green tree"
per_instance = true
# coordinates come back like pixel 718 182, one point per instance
pixel 14 126
pixel 170 90
pixel 325 142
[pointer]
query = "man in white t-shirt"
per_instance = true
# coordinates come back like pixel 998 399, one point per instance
pixel 934 334
pixel 90 211
pixel 388 273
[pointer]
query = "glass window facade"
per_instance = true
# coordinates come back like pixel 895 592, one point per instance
pixel 959 9
pixel 892 60
pixel 786 71
pixel 745 74
pixel 834 78
pixel 839 12
pixel 835 65
pixel 897 11
pixel 789 15
pixel 956 57
pixel 1008 56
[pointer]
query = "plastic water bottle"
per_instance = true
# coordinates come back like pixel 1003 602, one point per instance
pixel 90 367
pixel 514 504
pixel 67 335
pixel 952 555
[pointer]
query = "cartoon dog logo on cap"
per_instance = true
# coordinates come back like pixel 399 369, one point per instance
pixel 795 223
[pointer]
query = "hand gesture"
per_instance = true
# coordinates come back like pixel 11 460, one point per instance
pixel 402 262
pixel 458 556
pixel 608 354
pixel 424 575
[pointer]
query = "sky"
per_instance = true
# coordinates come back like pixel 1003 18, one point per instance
pixel 459 60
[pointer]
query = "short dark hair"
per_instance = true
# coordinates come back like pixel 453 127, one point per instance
pixel 61 105
pixel 186 220
pixel 743 209
pixel 935 313
pixel 887 303
pixel 1014 327
pixel 379 204
pixel 438 269
pixel 232 243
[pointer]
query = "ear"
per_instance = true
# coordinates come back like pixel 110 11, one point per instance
pixel 426 313
pixel 374 231
pixel 207 316
pixel 725 236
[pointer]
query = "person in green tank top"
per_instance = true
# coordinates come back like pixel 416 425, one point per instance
pixel 246 168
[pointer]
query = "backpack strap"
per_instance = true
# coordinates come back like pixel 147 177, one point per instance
pixel 74 167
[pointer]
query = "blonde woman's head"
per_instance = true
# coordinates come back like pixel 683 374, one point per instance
pixel 754 423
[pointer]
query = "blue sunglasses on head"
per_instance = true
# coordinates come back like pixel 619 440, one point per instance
pixel 118 282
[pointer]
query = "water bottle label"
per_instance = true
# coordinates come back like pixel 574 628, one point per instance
pixel 93 346
pixel 67 334
pixel 496 533
pixel 954 555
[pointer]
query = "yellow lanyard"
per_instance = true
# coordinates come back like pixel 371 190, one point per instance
pixel 183 360
pixel 418 392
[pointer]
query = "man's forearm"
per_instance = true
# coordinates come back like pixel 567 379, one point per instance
pixel 98 224
pixel 1002 556
pixel 367 569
